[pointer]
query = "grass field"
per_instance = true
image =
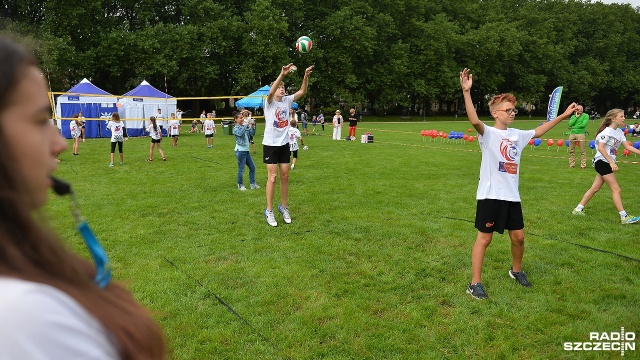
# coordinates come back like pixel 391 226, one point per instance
pixel 377 259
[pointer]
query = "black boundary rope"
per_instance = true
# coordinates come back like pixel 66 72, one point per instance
pixel 223 303
pixel 566 242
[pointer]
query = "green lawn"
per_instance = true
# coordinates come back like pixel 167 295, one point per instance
pixel 377 259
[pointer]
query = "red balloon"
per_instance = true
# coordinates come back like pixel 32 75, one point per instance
pixel 626 152
pixel 465 136
pixel 444 136
pixel 531 142
pixel 549 142
pixel 470 139
pixel 560 142
pixel 469 130
pixel 423 132
pixel 626 131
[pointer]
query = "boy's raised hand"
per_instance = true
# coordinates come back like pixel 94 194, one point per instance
pixel 466 80
pixel 308 70
pixel 571 109
pixel 287 68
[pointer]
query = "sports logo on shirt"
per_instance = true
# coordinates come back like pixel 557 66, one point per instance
pixel 282 118
pixel 509 152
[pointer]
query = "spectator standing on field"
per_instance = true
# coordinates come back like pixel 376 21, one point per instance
pixel 353 123
pixel 337 125
pixel 577 129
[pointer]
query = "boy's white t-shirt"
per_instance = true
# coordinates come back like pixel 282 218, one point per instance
pixel 294 135
pixel 276 116
pixel 155 135
pixel 40 322
pixel 174 126
pixel 612 140
pixel 208 127
pixel 500 166
pixel 117 132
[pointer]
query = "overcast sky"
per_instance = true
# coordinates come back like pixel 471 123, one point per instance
pixel 632 2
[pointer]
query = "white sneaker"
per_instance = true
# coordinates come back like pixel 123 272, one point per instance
pixel 285 214
pixel 254 186
pixel 292 166
pixel 271 218
pixel 241 187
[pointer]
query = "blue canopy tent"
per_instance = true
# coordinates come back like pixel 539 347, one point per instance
pixel 256 99
pixel 143 102
pixel 92 101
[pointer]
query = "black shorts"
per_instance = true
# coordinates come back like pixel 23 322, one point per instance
pixel 113 146
pixel 156 141
pixel 276 154
pixel 498 215
pixel 602 167
pixel 295 154
pixel 208 135
pixel 174 136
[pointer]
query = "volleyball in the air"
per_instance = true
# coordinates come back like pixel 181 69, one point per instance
pixel 304 44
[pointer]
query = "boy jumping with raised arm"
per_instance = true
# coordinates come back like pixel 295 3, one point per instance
pixel 498 198
pixel 276 141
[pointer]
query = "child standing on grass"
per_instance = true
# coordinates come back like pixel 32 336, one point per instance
pixel 118 136
pixel 76 133
pixel 174 129
pixel 242 130
pixel 276 153
pixel 156 138
pixel 608 140
pixel 294 135
pixel 209 128
pixel 498 198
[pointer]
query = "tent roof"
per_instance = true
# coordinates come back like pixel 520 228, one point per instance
pixel 146 90
pixel 254 102
pixel 86 87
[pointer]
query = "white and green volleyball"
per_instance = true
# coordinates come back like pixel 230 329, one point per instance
pixel 304 44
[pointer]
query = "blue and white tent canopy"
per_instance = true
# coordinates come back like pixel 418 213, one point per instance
pixel 141 103
pixel 256 99
pixel 92 101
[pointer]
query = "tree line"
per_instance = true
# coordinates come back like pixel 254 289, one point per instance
pixel 387 55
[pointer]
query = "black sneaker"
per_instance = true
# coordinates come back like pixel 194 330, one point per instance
pixel 477 291
pixel 520 277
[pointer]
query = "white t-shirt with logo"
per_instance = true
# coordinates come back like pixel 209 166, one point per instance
pixel 208 127
pixel 612 140
pixel 117 131
pixel 174 127
pixel 40 322
pixel 500 166
pixel 155 135
pixel 294 135
pixel 276 116
pixel 74 128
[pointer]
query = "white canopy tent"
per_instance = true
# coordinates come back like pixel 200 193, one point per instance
pixel 143 102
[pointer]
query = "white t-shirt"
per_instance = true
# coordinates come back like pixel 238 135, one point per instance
pixel 160 121
pixel 337 120
pixel 208 127
pixel 40 322
pixel 276 116
pixel 294 135
pixel 174 126
pixel 156 135
pixel 612 140
pixel 117 132
pixel 500 166
pixel 74 129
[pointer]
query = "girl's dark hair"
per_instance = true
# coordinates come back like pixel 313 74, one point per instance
pixel 608 119
pixel 155 125
pixel 29 250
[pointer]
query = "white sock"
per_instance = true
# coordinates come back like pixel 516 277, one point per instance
pixel 623 214
pixel 579 207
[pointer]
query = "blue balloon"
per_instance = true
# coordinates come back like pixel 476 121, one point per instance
pixel 592 144
pixel 537 142
pixel 567 143
pixel 636 144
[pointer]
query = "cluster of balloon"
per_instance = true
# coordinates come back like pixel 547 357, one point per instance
pixel 626 152
pixel 452 135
